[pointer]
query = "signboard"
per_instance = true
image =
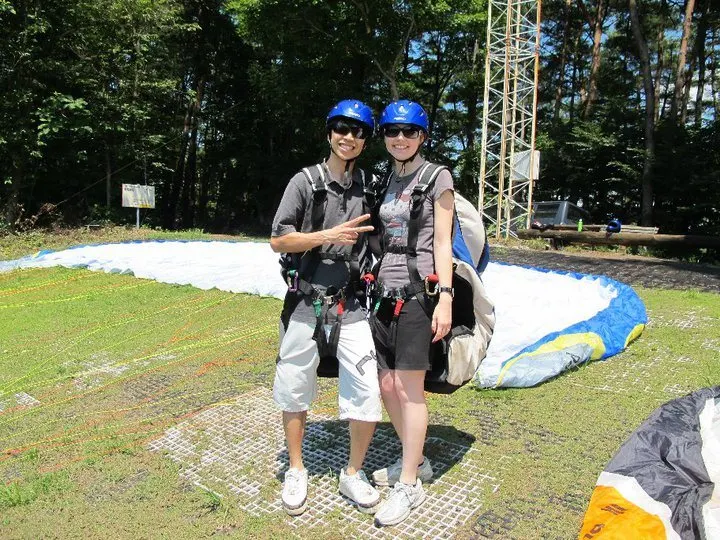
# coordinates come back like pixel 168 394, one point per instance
pixel 138 196
pixel 521 166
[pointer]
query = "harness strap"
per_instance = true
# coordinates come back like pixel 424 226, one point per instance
pixel 329 256
pixel 419 193
pixel 418 287
pixel 400 250
pixel 405 292
pixel 300 270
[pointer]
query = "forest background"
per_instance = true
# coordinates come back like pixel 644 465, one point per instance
pixel 217 103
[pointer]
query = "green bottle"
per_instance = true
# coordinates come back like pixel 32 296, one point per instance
pixel 580 225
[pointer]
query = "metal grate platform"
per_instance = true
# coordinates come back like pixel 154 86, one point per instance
pixel 240 446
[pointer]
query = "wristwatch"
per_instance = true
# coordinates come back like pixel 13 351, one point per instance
pixel 449 290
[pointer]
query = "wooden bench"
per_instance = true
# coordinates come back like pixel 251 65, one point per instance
pixel 623 238
pixel 633 229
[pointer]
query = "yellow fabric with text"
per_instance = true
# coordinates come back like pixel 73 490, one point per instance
pixel 611 516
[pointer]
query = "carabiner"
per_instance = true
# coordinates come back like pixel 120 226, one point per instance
pixel 431 285
pixel 293 280
pixel 317 304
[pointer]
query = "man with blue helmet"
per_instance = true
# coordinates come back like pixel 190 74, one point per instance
pixel 319 227
pixel 414 216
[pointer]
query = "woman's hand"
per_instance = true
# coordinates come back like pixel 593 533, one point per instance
pixel 442 317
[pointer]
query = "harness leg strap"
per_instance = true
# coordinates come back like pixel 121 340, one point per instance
pixel 394 323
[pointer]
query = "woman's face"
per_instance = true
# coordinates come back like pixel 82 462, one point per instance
pixel 347 138
pixel 403 140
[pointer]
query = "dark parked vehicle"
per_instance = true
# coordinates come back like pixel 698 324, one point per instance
pixel 558 213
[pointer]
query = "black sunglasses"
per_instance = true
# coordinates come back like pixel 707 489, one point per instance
pixel 342 127
pixel 409 132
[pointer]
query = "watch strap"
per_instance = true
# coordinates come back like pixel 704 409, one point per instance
pixel 449 290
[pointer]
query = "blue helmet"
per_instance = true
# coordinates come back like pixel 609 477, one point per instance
pixel 354 110
pixel 405 112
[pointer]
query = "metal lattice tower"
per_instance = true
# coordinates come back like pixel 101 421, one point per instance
pixel 509 162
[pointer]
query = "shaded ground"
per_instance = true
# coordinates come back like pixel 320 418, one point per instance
pixel 633 270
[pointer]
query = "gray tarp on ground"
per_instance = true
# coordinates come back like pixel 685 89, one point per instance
pixel 665 476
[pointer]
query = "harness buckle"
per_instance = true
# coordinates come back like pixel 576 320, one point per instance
pixel 334 294
pixel 293 280
pixel 431 285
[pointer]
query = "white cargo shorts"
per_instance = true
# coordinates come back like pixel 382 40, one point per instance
pixel 295 384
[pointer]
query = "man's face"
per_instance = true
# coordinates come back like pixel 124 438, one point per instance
pixel 347 138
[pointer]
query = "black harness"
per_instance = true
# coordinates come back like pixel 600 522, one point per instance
pixel 418 287
pixel 389 301
pixel 298 271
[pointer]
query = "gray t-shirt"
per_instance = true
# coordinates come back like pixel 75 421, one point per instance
pixel 295 215
pixel 395 217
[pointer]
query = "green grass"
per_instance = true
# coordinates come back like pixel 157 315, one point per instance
pixel 115 361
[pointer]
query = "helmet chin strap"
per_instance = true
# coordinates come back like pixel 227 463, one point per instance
pixel 404 162
pixel 348 163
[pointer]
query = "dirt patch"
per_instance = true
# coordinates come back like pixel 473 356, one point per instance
pixel 633 270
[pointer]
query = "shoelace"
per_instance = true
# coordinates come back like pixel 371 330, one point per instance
pixel 293 482
pixel 361 479
pixel 402 489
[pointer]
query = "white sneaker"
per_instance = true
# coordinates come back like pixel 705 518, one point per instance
pixel 359 491
pixel 294 493
pixel 390 475
pixel 403 498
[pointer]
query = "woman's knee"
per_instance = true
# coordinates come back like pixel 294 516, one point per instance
pixel 410 385
pixel 387 382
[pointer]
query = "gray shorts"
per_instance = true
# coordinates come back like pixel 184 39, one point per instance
pixel 295 384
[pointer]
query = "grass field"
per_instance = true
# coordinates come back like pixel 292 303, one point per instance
pixel 95 367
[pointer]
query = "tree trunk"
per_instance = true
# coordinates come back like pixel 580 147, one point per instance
pixel 12 208
pixel 187 216
pixel 701 62
pixel 204 180
pixel 575 77
pixel 470 169
pixel 563 60
pixel 187 205
pixel 646 204
pixel 174 187
pixel 713 77
pixel 437 89
pixel 682 55
pixel 108 176
pixel 689 75
pixel 596 23
pixel 665 95
pixel 657 79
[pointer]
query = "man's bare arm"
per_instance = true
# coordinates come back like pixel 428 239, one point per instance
pixel 345 234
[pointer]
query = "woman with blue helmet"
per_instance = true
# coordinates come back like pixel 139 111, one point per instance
pixel 415 274
pixel 323 246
